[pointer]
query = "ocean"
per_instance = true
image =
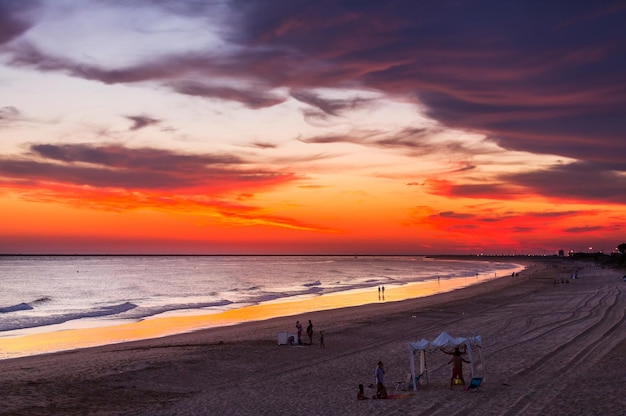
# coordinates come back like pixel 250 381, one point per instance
pixel 54 293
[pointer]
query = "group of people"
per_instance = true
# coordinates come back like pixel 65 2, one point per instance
pixel 457 361
pixel 381 290
pixel 381 391
pixel 309 333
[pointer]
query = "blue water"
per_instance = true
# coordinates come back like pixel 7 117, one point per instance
pixel 42 291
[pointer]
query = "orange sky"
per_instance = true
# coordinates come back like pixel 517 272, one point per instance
pixel 333 128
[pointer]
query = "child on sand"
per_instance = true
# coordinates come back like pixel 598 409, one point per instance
pixel 360 395
pixel 381 392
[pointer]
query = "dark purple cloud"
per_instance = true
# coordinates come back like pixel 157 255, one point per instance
pixel 331 107
pixel 114 177
pixel 534 76
pixel 145 168
pixel 28 55
pixel 250 97
pixel 581 181
pixel 412 141
pixel 14 20
pixel 139 122
pixel 170 71
pixel 264 145
pixel 117 156
pixel 539 77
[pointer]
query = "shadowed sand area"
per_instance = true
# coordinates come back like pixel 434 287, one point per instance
pixel 550 349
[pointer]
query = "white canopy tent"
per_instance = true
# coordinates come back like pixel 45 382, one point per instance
pixel 445 341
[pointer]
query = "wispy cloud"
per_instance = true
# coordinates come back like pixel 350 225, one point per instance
pixel 578 230
pixel 139 122
pixel 487 227
pixel 330 107
pixel 417 142
pixel 264 145
pixel 250 97
pixel 9 115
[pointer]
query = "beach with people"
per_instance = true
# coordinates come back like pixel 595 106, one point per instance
pixel 549 349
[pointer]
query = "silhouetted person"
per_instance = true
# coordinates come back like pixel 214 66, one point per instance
pixel 309 332
pixel 299 328
pixel 457 366
pixel 379 373
pixel 360 395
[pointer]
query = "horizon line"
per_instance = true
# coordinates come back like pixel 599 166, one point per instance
pixel 272 255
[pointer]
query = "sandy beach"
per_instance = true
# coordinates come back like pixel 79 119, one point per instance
pixel 550 349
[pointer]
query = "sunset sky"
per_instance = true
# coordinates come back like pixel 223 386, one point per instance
pixel 284 126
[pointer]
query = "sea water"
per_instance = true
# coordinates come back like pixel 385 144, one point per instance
pixel 55 303
pixel 47 293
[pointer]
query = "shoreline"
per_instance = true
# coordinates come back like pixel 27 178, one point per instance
pixel 72 336
pixel 543 341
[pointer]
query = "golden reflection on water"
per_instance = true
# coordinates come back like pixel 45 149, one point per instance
pixel 69 339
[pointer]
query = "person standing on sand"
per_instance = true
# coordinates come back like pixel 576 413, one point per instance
pixel 299 328
pixel 457 366
pixel 322 340
pixel 379 373
pixel 309 332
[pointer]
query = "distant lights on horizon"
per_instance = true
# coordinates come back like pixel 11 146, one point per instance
pixel 544 253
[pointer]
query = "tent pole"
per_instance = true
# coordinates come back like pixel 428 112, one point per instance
pixel 468 348
pixel 412 360
pixel 482 360
pixel 423 365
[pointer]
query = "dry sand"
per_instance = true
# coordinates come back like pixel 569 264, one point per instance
pixel 550 349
